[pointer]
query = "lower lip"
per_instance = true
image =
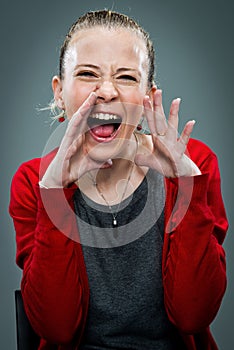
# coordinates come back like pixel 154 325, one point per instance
pixel 105 139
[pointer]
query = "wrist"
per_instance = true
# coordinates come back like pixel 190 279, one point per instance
pixel 47 184
pixel 41 185
pixel 189 168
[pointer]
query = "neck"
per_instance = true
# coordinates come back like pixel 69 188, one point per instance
pixel 117 182
pixel 120 167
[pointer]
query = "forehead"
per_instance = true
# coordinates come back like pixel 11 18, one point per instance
pixel 108 45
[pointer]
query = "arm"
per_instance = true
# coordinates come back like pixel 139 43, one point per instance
pixel 193 263
pixel 194 260
pixel 52 284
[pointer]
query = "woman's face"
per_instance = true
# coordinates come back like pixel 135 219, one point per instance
pixel 114 64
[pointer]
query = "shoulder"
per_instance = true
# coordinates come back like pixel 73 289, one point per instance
pixel 195 146
pixel 199 152
pixel 32 170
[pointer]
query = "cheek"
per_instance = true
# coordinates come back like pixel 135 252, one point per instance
pixel 135 113
pixel 131 95
pixel 74 98
pixel 133 102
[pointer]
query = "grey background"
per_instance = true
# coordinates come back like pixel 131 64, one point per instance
pixel 195 56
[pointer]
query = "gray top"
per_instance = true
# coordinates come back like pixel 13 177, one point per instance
pixel 126 309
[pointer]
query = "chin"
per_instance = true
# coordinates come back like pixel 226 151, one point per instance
pixel 102 152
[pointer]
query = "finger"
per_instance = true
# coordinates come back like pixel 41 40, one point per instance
pixel 173 119
pixel 160 119
pixel 148 111
pixel 186 133
pixel 78 124
pixel 79 118
pixel 174 112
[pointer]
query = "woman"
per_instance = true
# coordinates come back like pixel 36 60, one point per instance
pixel 140 265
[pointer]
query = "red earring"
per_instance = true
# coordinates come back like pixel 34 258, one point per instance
pixel 61 117
pixel 139 127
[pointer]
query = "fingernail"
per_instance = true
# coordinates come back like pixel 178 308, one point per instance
pixel 147 99
pixel 93 94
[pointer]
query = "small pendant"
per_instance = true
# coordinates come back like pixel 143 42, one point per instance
pixel 114 222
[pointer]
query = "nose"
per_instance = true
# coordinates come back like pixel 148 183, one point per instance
pixel 106 91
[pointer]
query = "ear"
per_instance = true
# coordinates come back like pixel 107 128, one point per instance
pixel 151 92
pixel 58 91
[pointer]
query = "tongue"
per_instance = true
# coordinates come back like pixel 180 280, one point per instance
pixel 103 130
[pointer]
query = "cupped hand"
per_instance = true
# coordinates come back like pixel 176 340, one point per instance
pixel 168 154
pixel 72 160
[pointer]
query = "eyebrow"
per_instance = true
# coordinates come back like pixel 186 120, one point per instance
pixel 87 66
pixel 119 70
pixel 124 69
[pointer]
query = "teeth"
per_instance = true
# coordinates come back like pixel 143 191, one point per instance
pixel 104 116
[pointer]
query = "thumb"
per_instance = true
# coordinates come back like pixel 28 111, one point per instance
pixel 144 160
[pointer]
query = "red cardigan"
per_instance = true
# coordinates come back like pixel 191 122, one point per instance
pixel 55 285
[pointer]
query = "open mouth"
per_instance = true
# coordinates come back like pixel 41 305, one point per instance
pixel 104 126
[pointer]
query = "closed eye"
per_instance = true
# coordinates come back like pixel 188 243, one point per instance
pixel 126 77
pixel 87 74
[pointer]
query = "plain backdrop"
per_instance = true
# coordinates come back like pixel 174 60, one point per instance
pixel 195 57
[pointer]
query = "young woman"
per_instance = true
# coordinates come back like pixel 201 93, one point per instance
pixel 119 231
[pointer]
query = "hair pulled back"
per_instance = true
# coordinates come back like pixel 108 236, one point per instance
pixel 111 20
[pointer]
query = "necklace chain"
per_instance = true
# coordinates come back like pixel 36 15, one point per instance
pixel 114 214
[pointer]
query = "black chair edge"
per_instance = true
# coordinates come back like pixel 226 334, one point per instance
pixel 26 337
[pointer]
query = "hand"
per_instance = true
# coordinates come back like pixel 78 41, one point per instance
pixel 168 154
pixel 72 160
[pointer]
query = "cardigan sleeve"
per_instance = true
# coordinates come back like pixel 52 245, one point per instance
pixel 52 287
pixel 194 270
